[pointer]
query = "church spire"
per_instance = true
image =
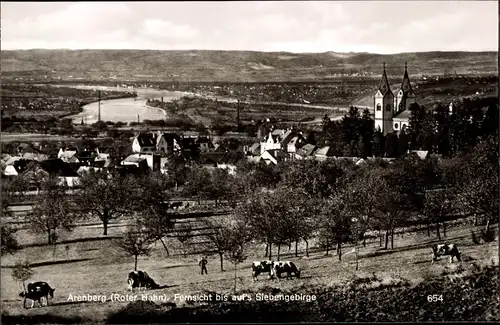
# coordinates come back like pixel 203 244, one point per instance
pixel 384 86
pixel 406 85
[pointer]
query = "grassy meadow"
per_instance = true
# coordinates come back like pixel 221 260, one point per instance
pixel 87 263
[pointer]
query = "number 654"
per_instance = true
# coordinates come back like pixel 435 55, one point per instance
pixel 434 298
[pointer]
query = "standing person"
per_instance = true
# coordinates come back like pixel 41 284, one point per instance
pixel 203 263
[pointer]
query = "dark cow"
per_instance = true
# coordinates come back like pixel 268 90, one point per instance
pixel 36 291
pixel 259 267
pixel 444 250
pixel 285 266
pixel 140 279
pixel 176 205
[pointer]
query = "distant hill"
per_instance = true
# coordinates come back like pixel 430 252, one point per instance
pixel 235 65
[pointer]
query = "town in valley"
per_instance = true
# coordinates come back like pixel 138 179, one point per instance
pixel 288 175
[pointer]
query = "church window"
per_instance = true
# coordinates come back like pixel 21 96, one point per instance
pixel 396 126
pixel 388 107
pixel 378 107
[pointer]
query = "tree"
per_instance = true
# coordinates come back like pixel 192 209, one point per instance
pixel 52 211
pixel 184 234
pixel 135 242
pixel 360 197
pixel 152 205
pixel 415 124
pixel 334 223
pixel 198 183
pixel 352 129
pixel 393 204
pixel 106 196
pixel 391 145
pixel 367 131
pixel 220 236
pixel 378 144
pixel 238 239
pixel 479 189
pixel 220 185
pixel 9 242
pixel 22 272
pixel 255 211
pixel 437 207
pixel 176 170
pixel 316 179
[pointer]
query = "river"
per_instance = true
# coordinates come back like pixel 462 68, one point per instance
pixel 132 109
pixel 124 109
pixel 129 109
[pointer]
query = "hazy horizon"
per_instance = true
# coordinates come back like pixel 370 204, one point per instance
pixel 215 50
pixel 377 27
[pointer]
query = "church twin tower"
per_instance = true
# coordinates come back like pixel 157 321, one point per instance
pixel 391 109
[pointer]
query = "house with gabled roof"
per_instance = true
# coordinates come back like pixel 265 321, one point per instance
pixel 168 142
pixel 68 155
pixel 228 162
pixel 137 160
pixel 204 144
pixel 63 171
pixel 144 142
pixel 306 151
pixel 274 156
pixel 422 154
pixel 324 153
pixel 287 140
pixel 296 142
pixel 254 149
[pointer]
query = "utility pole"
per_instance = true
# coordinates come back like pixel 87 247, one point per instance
pixel 99 107
pixel 137 118
pixel 238 116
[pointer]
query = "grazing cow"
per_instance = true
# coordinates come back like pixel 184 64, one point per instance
pixel 140 279
pixel 37 290
pixel 285 266
pixel 176 205
pixel 443 250
pixel 259 267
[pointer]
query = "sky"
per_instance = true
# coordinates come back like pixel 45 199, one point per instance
pixel 290 26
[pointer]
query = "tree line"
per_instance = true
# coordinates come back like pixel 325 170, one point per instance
pixel 437 130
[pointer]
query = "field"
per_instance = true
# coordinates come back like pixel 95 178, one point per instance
pixel 28 137
pixel 92 265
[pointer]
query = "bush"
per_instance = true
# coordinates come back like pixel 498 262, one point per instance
pixel 470 298
pixel 488 236
pixel 475 238
pixel 41 319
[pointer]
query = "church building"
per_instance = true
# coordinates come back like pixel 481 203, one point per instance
pixel 391 109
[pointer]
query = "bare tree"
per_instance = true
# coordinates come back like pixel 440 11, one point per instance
pixel 219 236
pixel 22 272
pixel 135 242
pixel 238 239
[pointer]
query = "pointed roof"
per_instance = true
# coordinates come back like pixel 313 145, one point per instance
pixel 384 86
pixel 406 85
